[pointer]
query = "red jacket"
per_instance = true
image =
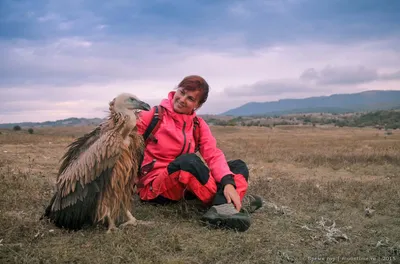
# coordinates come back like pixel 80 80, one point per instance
pixel 175 137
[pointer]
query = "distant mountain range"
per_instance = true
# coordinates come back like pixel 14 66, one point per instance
pixel 337 103
pixel 73 121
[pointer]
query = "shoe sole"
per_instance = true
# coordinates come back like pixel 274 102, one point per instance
pixel 239 222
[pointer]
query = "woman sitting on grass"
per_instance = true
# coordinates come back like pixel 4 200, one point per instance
pixel 170 169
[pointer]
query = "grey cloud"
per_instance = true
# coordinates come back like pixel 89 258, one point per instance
pixel 51 93
pixel 74 61
pixel 276 87
pixel 390 76
pixel 25 106
pixel 312 80
pixel 309 75
pixel 346 75
pixel 340 75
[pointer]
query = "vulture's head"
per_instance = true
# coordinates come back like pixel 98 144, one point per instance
pixel 126 103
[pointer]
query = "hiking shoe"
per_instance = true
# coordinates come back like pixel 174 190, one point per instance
pixel 251 203
pixel 226 216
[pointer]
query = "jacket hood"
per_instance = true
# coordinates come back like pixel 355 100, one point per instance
pixel 168 104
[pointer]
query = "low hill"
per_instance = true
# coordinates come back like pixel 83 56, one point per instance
pixel 73 121
pixel 337 103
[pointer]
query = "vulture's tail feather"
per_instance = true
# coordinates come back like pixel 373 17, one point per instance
pixel 82 207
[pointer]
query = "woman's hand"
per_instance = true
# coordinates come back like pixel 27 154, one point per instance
pixel 231 195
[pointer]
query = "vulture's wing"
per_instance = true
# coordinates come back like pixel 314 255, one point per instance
pixel 86 168
pixel 96 161
pixel 77 147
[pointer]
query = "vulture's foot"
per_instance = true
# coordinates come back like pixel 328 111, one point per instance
pixel 111 226
pixel 131 220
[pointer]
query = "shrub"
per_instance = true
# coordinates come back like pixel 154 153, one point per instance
pixel 388 132
pixel 30 130
pixel 17 128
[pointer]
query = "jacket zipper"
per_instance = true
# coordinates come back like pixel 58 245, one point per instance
pixel 188 149
pixel 184 138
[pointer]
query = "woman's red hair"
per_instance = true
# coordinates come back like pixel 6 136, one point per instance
pixel 193 83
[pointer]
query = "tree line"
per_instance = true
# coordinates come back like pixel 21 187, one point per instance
pixel 388 119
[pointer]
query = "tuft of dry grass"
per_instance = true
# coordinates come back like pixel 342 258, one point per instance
pixel 319 186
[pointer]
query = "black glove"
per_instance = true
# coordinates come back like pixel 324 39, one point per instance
pixel 190 163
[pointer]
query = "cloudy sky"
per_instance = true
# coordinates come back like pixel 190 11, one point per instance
pixel 70 58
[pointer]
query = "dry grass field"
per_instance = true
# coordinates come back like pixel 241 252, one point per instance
pixel 332 195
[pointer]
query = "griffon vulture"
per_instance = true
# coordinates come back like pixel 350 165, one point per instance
pixel 98 172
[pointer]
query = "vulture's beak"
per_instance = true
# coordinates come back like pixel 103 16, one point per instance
pixel 142 105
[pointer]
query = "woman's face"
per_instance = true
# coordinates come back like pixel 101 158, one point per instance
pixel 186 101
